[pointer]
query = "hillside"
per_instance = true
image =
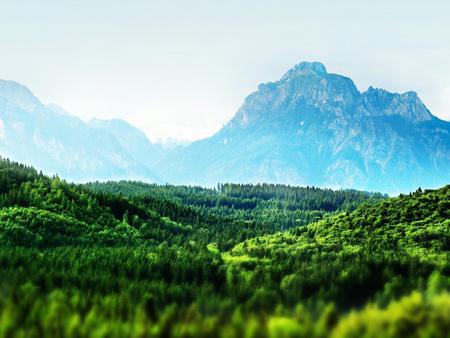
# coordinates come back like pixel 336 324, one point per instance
pixel 352 256
pixel 235 212
pixel 129 259
pixel 39 211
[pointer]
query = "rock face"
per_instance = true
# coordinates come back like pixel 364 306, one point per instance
pixel 56 142
pixel 315 128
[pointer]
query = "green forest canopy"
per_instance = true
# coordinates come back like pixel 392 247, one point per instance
pixel 128 259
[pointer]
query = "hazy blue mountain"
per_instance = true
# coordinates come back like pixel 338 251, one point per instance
pixel 130 138
pixel 309 128
pixel 54 141
pixel 315 128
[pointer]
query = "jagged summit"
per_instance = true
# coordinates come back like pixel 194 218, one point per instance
pixel 308 86
pixel 317 128
pixel 407 105
pixel 305 68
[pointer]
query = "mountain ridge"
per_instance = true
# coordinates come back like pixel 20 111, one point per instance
pixel 56 142
pixel 311 127
pixel 316 128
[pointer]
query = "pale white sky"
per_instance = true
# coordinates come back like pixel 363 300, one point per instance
pixel 181 69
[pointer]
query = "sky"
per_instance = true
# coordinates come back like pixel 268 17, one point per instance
pixel 179 70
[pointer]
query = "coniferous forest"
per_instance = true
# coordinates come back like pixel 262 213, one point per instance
pixel 128 259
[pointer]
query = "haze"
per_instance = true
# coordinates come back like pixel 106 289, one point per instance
pixel 180 69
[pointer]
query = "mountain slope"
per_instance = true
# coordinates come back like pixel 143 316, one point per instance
pixel 315 128
pixel 130 138
pixel 54 141
pixel 39 211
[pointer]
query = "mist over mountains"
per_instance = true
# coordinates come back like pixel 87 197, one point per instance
pixel 309 128
pixel 56 142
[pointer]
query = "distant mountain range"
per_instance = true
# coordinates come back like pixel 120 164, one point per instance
pixel 56 142
pixel 309 128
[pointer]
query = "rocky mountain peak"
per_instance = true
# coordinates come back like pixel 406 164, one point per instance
pixel 407 105
pixel 305 68
pixel 307 88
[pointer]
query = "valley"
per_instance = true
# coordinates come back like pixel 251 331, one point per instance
pixel 128 259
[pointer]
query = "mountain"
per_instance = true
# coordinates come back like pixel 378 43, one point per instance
pixel 54 141
pixel 130 138
pixel 316 128
pixel 310 128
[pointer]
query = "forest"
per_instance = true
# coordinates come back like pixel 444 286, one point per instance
pixel 129 259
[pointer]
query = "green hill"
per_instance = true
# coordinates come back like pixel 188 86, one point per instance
pixel 128 259
pixel 38 211
pixel 376 252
